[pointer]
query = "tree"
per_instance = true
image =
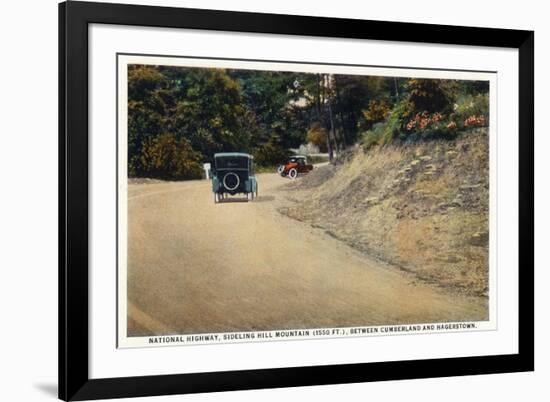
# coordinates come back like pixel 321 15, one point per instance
pixel 167 157
pixel 272 96
pixel 377 111
pixel 270 153
pixel 317 135
pixel 148 100
pixel 192 113
pixel 209 112
pixel 352 95
pixel 426 95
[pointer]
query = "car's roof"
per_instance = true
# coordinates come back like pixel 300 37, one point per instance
pixel 298 156
pixel 229 154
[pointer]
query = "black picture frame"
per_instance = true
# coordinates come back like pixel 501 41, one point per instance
pixel 74 18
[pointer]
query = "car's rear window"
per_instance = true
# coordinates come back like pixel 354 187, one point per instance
pixel 231 162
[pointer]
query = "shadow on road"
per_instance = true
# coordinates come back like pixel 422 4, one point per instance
pixel 264 198
pixel 231 200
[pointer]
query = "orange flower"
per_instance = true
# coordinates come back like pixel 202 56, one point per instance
pixel 451 125
pixel 474 121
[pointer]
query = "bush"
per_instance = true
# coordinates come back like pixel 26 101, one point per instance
pixel 389 130
pixel 166 157
pixel 428 126
pixel 472 104
pixel 427 113
pixel 394 126
pixel 377 111
pixel 471 110
pixel 374 136
pixel 270 153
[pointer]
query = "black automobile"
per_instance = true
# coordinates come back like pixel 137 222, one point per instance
pixel 233 174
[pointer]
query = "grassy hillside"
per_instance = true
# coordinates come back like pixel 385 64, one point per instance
pixel 422 207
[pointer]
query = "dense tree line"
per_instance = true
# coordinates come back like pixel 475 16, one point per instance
pixel 179 117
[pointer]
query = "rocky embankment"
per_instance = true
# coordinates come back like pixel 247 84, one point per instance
pixel 423 207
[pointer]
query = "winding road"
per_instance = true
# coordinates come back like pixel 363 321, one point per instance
pixel 197 267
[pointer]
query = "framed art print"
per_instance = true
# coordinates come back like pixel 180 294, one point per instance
pixel 256 200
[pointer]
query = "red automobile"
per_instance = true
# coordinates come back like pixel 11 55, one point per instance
pixel 294 166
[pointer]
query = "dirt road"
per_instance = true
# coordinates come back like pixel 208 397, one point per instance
pixel 195 267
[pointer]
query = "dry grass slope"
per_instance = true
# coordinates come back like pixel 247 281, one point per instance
pixel 422 207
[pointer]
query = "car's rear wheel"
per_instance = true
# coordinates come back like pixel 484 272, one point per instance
pixel 280 169
pixel 292 173
pixel 231 181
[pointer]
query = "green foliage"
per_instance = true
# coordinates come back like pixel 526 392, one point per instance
pixel 166 157
pixel 471 105
pixel 210 112
pixel 147 105
pixel 204 107
pixel 427 95
pixel 270 96
pixel 270 153
pixel 429 109
pixel 427 126
pixel 468 111
pixel 178 117
pixel 471 87
pixel 394 125
pixel 144 80
pixel 374 136
pixel 352 95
